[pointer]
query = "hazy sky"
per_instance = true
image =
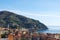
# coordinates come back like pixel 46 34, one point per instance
pixel 46 11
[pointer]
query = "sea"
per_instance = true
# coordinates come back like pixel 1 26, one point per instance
pixel 51 29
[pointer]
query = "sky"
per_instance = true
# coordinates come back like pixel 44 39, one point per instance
pixel 46 11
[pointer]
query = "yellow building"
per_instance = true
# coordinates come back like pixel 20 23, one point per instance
pixel 57 36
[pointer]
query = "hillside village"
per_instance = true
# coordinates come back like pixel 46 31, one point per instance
pixel 23 34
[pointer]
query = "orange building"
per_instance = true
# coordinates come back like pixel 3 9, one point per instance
pixel 10 36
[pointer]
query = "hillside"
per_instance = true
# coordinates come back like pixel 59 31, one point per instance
pixel 18 21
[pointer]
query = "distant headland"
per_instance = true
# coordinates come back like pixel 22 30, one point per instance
pixel 13 21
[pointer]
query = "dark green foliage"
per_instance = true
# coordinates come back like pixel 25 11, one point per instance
pixel 14 21
pixel 4 35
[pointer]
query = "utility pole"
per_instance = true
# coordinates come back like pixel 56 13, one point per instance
pixel 8 26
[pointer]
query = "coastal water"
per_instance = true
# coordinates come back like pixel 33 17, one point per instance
pixel 51 29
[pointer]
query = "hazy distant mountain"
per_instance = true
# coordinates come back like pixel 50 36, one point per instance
pixel 18 21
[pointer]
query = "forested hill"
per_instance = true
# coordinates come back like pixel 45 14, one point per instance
pixel 15 20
